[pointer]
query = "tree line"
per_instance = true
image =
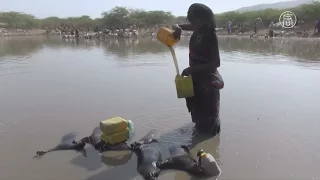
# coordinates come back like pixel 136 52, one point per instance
pixel 122 17
pixel 309 12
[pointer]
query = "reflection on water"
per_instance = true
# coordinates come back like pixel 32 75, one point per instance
pixel 305 50
pixel 20 46
pixel 50 86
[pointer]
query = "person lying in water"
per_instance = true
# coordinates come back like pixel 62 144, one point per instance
pixel 150 162
pixel 147 156
pixel 204 61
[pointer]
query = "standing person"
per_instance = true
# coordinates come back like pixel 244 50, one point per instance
pixel 242 28
pixel 317 27
pixel 271 27
pixel 255 27
pixel 204 59
pixel 229 27
pixel 77 33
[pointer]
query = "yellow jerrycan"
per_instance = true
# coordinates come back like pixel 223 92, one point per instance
pixel 165 36
pixel 113 125
pixel 184 86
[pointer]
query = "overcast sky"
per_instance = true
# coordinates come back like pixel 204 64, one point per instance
pixel 93 8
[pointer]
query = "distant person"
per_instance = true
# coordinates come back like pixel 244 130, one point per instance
pixel 271 28
pixel 72 32
pixel 96 29
pixel 229 27
pixel 255 27
pixel 317 27
pixel 77 33
pixel 204 59
pixel 239 28
pixel 242 28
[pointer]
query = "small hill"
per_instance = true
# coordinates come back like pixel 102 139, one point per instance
pixel 278 5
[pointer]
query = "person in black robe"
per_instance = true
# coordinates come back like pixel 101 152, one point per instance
pixel 204 60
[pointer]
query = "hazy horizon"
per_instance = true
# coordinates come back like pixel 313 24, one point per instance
pixel 94 8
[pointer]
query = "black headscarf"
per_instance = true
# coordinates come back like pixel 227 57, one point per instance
pixel 201 11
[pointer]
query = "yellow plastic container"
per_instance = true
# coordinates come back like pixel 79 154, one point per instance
pixel 113 125
pixel 115 138
pixel 165 36
pixel 184 86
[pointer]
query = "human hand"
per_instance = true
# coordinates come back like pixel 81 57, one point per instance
pixel 177 33
pixel 186 72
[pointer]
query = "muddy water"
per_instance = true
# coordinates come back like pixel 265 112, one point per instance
pixel 50 87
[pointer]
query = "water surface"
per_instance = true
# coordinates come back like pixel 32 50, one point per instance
pixel 49 87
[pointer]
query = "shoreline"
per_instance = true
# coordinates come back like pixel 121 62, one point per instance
pixel 263 33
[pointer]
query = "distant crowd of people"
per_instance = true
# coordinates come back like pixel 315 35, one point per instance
pixel 259 23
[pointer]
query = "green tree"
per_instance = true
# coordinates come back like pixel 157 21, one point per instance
pixel 118 16
pixel 18 20
pixel 181 19
pixel 122 17
pixel 139 18
pixel 50 22
pixel 307 12
pixel 159 17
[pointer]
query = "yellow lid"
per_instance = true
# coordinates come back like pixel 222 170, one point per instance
pixel 203 154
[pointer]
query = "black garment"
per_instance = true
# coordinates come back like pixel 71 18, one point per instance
pixel 318 26
pixel 270 33
pixel 202 42
pixel 204 106
pixel 318 23
pixel 77 33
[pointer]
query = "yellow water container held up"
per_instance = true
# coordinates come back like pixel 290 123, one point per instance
pixel 113 125
pixel 165 36
pixel 115 138
pixel 184 86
